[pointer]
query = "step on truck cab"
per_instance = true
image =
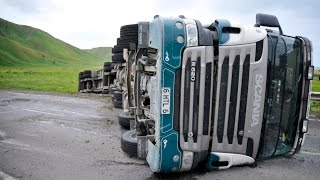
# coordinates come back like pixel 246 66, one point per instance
pixel 221 95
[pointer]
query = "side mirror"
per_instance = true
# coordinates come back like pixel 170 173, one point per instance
pixel 310 72
pixel 268 21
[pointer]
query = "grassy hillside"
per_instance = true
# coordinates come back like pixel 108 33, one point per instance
pixel 101 52
pixel 32 59
pixel 25 46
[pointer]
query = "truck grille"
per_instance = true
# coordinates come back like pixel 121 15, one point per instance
pixel 196 98
pixel 237 69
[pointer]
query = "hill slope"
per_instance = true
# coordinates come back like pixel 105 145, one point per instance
pixel 101 52
pixel 25 46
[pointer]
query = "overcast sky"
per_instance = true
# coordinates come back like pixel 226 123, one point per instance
pixel 95 23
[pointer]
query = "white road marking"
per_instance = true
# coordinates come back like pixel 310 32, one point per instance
pixel 54 114
pixel 15 144
pixel 4 112
pixel 29 134
pixel 5 176
pixel 313 119
pixel 43 112
pixel 79 114
pixel 310 153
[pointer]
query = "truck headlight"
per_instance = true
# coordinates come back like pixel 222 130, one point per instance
pixel 192 35
pixel 310 72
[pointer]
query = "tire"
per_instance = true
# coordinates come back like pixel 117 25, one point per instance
pixel 129 38
pixel 125 42
pixel 129 28
pixel 80 74
pixel 117 96
pixel 118 58
pixel 117 49
pixel 107 69
pixel 124 120
pixel 79 81
pixel 129 143
pixel 128 34
pixel 86 74
pixel 107 64
pixel 117 104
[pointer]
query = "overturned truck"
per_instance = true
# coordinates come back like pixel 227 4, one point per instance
pixel 218 95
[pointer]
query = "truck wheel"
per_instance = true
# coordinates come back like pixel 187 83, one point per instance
pixel 79 81
pixel 129 143
pixel 118 58
pixel 117 96
pixel 124 120
pixel 130 28
pixel 117 104
pixel 86 74
pixel 107 64
pixel 118 49
pixel 127 40
pixel 107 69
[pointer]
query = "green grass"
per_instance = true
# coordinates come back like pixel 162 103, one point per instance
pixel 316 81
pixel 101 52
pixel 315 107
pixel 316 85
pixel 31 59
pixel 25 46
pixel 62 80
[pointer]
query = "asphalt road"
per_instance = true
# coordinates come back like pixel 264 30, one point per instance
pixel 50 136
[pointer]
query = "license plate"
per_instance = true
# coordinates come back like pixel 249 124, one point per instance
pixel 165 108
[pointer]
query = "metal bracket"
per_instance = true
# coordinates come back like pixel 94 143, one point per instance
pixel 139 68
pixel 143 35
pixel 142 146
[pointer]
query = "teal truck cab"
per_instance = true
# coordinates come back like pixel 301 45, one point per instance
pixel 220 95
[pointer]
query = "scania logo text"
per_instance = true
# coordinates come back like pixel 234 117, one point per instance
pixel 256 109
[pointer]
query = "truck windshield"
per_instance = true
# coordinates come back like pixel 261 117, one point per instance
pixel 284 86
